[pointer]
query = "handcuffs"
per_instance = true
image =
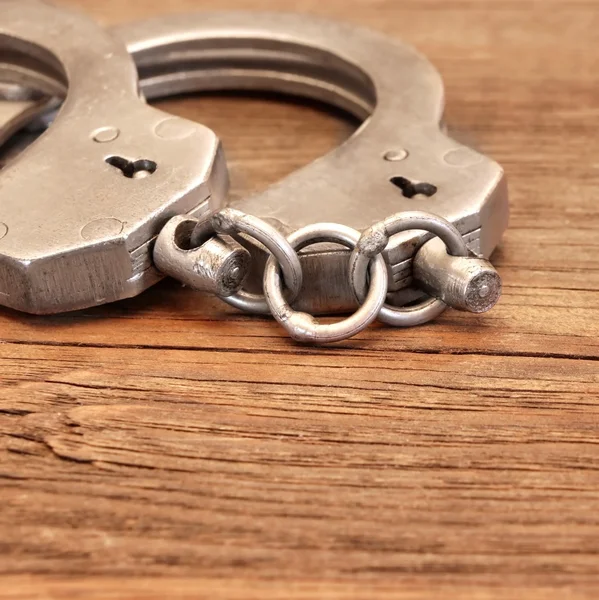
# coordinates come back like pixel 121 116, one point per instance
pixel 116 194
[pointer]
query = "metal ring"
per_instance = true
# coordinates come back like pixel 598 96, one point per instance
pixel 230 221
pixel 374 241
pixel 303 327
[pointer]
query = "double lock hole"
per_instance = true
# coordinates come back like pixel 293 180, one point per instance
pixel 133 169
pixel 410 189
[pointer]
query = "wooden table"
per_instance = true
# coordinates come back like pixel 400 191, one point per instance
pixel 171 447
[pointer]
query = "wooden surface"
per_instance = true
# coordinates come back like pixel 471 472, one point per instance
pixel 171 447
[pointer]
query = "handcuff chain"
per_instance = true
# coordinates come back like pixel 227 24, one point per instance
pixel 368 274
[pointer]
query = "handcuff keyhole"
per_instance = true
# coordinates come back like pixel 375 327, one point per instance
pixel 410 189
pixel 137 169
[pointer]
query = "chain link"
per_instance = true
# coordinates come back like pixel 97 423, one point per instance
pixel 230 222
pixel 304 327
pixel 465 281
pixel 374 241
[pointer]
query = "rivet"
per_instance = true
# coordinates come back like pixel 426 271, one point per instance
pixel 3 230
pixel 462 157
pixel 106 134
pixel 396 155
pixel 174 129
pixel 101 228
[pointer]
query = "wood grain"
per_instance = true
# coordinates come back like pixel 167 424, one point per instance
pixel 170 447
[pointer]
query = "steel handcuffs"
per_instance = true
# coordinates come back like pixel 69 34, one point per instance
pixel 399 160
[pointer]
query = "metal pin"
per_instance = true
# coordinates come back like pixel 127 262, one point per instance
pixel 216 266
pixel 463 282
